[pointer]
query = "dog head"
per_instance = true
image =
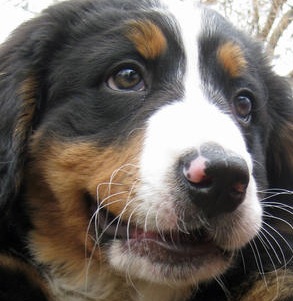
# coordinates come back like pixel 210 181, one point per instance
pixel 140 137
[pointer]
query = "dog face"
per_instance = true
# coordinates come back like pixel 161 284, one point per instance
pixel 140 139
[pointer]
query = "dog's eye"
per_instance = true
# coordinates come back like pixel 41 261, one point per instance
pixel 243 105
pixel 126 79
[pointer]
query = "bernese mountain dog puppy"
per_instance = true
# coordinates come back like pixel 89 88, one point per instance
pixel 146 154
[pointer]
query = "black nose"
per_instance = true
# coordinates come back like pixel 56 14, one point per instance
pixel 216 179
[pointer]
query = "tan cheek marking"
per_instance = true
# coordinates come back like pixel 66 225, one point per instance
pixel 107 173
pixel 58 178
pixel 231 56
pixel 147 37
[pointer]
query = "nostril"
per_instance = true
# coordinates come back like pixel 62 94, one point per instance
pixel 238 191
pixel 195 172
pixel 239 188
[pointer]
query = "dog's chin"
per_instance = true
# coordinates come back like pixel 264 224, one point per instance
pixel 179 259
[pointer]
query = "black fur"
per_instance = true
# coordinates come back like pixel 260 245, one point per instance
pixel 41 55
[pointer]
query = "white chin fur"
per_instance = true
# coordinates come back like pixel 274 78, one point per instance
pixel 137 267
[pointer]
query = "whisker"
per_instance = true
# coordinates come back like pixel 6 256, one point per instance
pixel 279 219
pixel 223 287
pixel 146 219
pixel 276 191
pixel 157 223
pixel 258 260
pixel 283 207
pixel 134 130
pixel 180 224
pixel 121 169
pixel 243 261
pixel 266 245
pixel 95 217
pixel 128 226
pixel 279 234
pixel 261 165
pixel 116 219
pixel 127 204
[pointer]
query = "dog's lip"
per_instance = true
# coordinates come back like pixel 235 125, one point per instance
pixel 114 226
pixel 172 245
pixel 173 239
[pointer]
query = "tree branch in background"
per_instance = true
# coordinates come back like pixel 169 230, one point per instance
pixel 255 18
pixel 284 22
pixel 208 2
pixel 275 8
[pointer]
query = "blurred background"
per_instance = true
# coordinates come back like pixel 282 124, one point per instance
pixel 269 20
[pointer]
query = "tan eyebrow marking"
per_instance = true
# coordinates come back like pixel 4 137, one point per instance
pixel 231 56
pixel 147 38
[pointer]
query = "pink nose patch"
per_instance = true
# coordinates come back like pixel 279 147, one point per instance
pixel 195 172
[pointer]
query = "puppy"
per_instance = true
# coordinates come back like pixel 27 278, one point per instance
pixel 146 154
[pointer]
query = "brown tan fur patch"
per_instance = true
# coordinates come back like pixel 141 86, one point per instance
pixel 147 37
pixel 27 93
pixel 57 180
pixel 232 58
pixel 276 286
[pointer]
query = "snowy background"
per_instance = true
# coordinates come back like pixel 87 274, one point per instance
pixel 14 12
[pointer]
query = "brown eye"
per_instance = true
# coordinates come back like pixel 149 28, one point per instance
pixel 126 79
pixel 243 106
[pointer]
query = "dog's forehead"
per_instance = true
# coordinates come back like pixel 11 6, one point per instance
pixel 198 30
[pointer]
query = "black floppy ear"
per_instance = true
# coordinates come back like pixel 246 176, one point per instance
pixel 24 66
pixel 23 62
pixel 17 108
pixel 280 146
pixel 18 89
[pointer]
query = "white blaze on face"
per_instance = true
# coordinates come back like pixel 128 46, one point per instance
pixel 173 131
pixel 183 126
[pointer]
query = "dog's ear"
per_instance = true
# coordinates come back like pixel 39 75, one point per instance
pixel 23 66
pixel 280 146
pixel 18 92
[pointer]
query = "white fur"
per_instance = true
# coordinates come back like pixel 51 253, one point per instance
pixel 171 132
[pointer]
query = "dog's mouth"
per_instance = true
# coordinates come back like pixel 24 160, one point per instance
pixel 173 247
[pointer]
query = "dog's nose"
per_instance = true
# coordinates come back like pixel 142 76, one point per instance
pixel 216 179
